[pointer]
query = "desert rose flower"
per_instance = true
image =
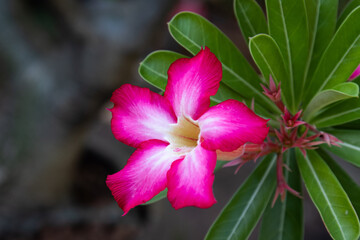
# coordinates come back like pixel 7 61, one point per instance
pixel 177 135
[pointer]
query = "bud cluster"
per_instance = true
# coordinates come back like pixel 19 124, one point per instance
pixel 293 133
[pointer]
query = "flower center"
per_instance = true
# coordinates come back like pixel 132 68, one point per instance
pixel 184 135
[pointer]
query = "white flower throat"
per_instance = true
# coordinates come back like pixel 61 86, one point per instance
pixel 184 135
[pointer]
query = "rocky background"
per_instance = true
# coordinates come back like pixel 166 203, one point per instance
pixel 60 60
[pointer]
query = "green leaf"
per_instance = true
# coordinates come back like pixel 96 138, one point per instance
pixel 225 93
pixel 219 164
pixel 355 125
pixel 288 26
pixel 193 31
pixel 350 146
pixel 356 80
pixel 338 113
pixel 340 59
pixel 157 198
pixel 285 219
pixel 350 186
pixel 268 58
pixel 250 18
pixel 154 67
pixel 347 10
pixel 321 16
pixel 329 96
pixel 241 214
pixel 329 197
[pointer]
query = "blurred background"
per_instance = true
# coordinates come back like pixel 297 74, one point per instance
pixel 60 61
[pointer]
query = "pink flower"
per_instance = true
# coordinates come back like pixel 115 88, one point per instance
pixel 355 74
pixel 177 135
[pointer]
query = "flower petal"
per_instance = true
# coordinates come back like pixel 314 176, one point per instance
pixel 229 125
pixel 190 179
pixel 191 82
pixel 139 115
pixel 144 175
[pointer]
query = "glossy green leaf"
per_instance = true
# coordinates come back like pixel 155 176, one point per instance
pixel 329 96
pixel 329 197
pixel 347 10
pixel 350 146
pixel 158 197
pixel 339 113
pixel 356 80
pixel 321 15
pixel 268 58
pixel 154 67
pixel 340 59
pixel 241 214
pixel 285 219
pixel 219 165
pixel 225 93
pixel 193 31
pixel 250 17
pixel 288 26
pixel 342 5
pixel 350 186
pixel 355 125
